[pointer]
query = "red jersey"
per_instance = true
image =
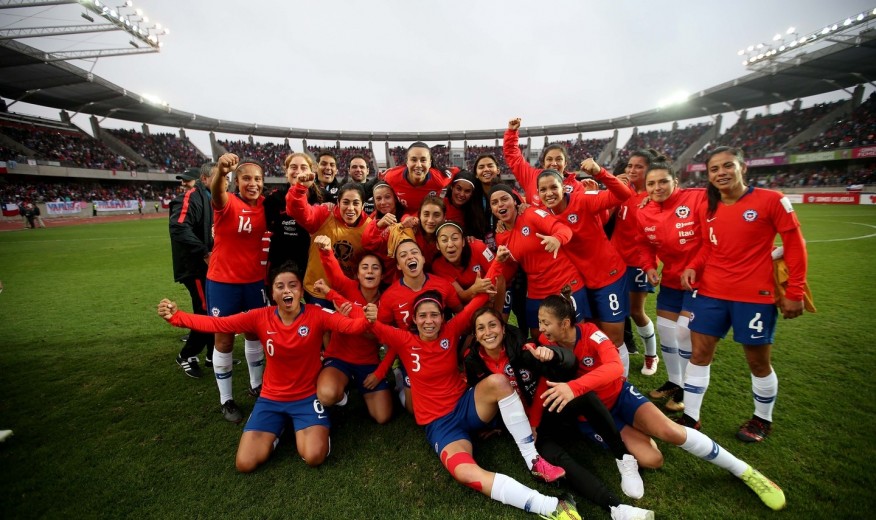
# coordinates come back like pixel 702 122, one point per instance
pixel 452 213
pixel 433 366
pixel 292 352
pixel 590 251
pixel 627 238
pixel 376 240
pixel 411 196
pixel 545 275
pixel 396 300
pixel 736 262
pixel 352 348
pixel 672 233
pixel 465 275
pixel 238 229
pixel 526 174
pixel 599 365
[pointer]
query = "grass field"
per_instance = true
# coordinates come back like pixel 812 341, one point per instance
pixel 106 425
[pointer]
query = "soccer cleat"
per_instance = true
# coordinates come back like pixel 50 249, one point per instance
pixel 190 366
pixel 625 512
pixel 631 481
pixel 232 412
pixel 184 338
pixel 687 420
pixel 566 510
pixel 676 402
pixel 768 492
pixel 5 434
pixel 545 471
pixel 650 366
pixel 754 430
pixel 666 389
pixel 254 392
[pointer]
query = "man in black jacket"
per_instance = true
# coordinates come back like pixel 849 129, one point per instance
pixel 191 241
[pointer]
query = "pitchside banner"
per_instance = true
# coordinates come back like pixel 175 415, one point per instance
pixel 831 198
pixel 116 205
pixel 777 160
pixel 65 208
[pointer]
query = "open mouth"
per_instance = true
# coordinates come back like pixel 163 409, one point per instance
pixel 412 265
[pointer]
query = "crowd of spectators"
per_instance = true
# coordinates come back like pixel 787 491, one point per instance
pixel 68 147
pixel 850 131
pixel 671 143
pixel 271 155
pixel 164 150
pixel 45 191
pixel 581 149
pixel 344 155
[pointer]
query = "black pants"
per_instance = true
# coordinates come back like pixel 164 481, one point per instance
pixel 197 340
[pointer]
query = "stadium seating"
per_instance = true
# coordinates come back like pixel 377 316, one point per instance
pixel 165 151
pixel 856 129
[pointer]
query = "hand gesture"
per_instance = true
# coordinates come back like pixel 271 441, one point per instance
pixel 500 227
pixel 226 163
pixel 539 352
pixel 344 309
pixel 371 312
pixel 688 279
pixel 167 308
pixel 306 178
pixel 514 124
pixel 387 220
pixel 482 285
pixel 557 396
pixel 323 242
pixel 589 185
pixel 503 253
pixel 410 222
pixel 551 244
pixel 321 287
pixel 590 166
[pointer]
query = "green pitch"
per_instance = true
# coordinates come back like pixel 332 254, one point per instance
pixel 106 424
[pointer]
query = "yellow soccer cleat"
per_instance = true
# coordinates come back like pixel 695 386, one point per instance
pixel 769 493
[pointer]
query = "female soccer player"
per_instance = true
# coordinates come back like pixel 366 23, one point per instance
pixel 532 242
pixel 387 212
pixel 589 250
pixel 486 169
pixel 344 225
pixel 463 204
pixel 736 285
pixel 499 353
pixel 235 275
pixel 463 262
pixel 601 371
pixel 351 357
pixel 422 229
pixel 449 411
pixel 417 179
pixel 668 223
pixel 289 240
pixel 292 333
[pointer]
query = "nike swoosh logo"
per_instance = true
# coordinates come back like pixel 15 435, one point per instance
pixel 247 211
pixel 757 337
pixel 616 313
pixel 416 348
pixel 711 219
pixel 402 305
pixel 322 416
pixel 271 332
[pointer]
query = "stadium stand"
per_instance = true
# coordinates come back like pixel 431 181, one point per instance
pixel 165 151
pixel 671 143
pixel 271 155
pixel 857 129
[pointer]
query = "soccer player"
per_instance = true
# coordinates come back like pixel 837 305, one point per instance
pixel 422 229
pixel 289 240
pixel 191 242
pixel 463 204
pixel 600 370
pixel 463 262
pixel 449 411
pixel 486 169
pixel 417 179
pixel 292 334
pixel 668 223
pixel 235 276
pixel 387 213
pixel 736 285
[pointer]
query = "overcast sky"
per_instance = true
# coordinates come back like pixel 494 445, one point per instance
pixel 396 65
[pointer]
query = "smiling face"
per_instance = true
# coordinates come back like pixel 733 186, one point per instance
pixel 490 332
pixel 551 326
pixel 296 165
pixel 328 168
pixel 418 162
pixel 486 170
pixel 550 189
pixel 369 272
pixel 384 200
pixel 428 319
pixel 350 205
pixel 450 243
pixel 636 168
pixel 250 182
pixel 460 193
pixel 503 207
pixel 659 184
pixel 555 159
pixel 286 291
pixel 431 216
pixel 358 169
pixel 409 259
pixel 726 172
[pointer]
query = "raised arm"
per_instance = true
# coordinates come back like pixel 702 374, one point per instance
pixel 218 182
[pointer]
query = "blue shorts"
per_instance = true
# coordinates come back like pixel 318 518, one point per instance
pixel 271 416
pixel 624 412
pixel 509 301
pixel 753 323
pixel 579 299
pixel 356 373
pixel 225 299
pixel 674 300
pixel 456 425
pixel 611 303
pixel 638 280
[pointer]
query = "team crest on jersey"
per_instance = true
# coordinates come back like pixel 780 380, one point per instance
pixel 567 188
pixel 525 231
pixel 598 337
pixel 587 361
pixel 445 343
pixel 476 268
pixel 215 312
pixel 573 218
pixel 682 212
pixel 525 375
pixel 750 215
pixel 433 193
pixel 303 331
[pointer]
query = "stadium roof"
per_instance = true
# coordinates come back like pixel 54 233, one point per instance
pixel 27 76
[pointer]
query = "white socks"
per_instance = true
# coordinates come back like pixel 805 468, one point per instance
pixel 669 346
pixel 255 360
pixel 682 338
pixel 517 423
pixel 765 390
pixel 510 492
pixel 696 381
pixel 647 335
pixel 705 448
pixel 625 358
pixel 222 368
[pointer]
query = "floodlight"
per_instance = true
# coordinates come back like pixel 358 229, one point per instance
pixel 825 30
pixel 833 27
pixel 138 12
pixel 750 48
pixel 166 31
pixel 87 17
pixel 782 48
pixel 740 53
pixel 793 43
pixel 760 46
pixel 777 37
pixel 847 22
pixel 98 4
pixel 790 30
pixel 744 63
pixel 861 16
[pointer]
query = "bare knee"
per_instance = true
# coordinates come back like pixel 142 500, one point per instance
pixel 649 456
pixel 246 463
pixel 314 454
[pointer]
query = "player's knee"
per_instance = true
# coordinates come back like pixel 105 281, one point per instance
pixel 246 463
pixel 382 416
pixel 314 455
pixel 498 382
pixel 649 457
pixel 328 394
pixel 463 469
